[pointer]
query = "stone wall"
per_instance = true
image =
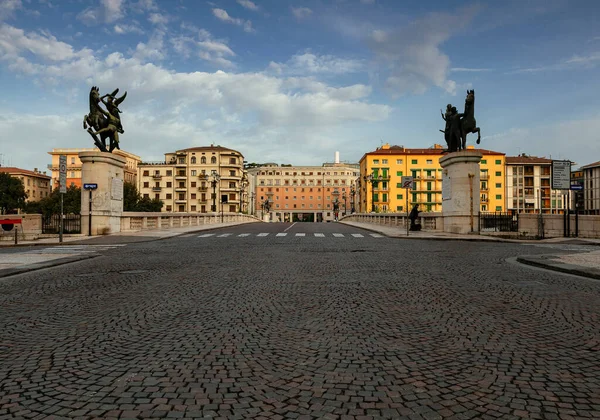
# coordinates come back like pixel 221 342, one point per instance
pixel 29 229
pixel 136 221
pixel 429 221
pixel 529 226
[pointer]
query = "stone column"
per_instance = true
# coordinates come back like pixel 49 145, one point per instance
pixel 105 170
pixel 460 191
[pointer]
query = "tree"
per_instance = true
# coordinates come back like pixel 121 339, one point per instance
pixel 133 201
pixel 51 204
pixel 12 194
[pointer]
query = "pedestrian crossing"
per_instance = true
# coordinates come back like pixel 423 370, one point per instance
pixel 76 249
pixel 290 235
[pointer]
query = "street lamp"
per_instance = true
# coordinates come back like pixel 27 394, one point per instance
pixel 215 179
pixel 269 202
pixel 243 185
pixel 336 205
pixel 352 194
pixel 345 199
pixel 373 181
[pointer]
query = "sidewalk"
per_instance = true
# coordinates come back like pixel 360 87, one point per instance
pixel 13 261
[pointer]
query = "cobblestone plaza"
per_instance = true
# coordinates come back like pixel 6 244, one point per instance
pixel 340 325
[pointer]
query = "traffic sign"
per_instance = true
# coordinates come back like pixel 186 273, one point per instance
pixel 561 175
pixel 577 187
pixel 62 173
pixel 90 186
pixel 407 182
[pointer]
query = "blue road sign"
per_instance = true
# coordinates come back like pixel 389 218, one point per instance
pixel 90 186
pixel 576 187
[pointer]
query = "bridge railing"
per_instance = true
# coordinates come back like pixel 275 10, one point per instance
pixel 136 221
pixel 428 220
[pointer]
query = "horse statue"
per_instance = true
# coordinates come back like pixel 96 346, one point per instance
pixel 459 125
pixel 106 124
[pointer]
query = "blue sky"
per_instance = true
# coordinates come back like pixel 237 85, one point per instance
pixel 293 81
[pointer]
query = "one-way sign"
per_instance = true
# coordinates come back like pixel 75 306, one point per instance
pixel 576 187
pixel 90 186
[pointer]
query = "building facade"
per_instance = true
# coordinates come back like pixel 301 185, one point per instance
pixel 196 180
pixel 74 165
pixel 380 188
pixel 303 193
pixel 528 187
pixel 36 183
pixel 591 188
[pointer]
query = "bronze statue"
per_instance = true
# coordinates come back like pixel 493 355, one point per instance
pixel 106 124
pixel 459 125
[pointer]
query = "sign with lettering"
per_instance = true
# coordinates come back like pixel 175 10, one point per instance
pixel 62 173
pixel 561 175
pixel 446 186
pixel 116 190
pixel 90 186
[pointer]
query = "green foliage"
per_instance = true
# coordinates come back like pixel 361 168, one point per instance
pixel 133 201
pixel 51 204
pixel 12 194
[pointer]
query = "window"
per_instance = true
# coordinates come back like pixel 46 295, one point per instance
pixel 193 196
pixel 193 207
pixel 498 161
pixel 169 208
pixel 399 208
pixel 232 160
pixel 181 196
pixel 146 196
pixel 232 185
pixel 375 161
pixel 169 173
pixel 146 184
pixel 169 196
pixel 72 174
pixel 498 208
pixel 72 161
pixel 193 160
pixel 399 196
pixel 498 173
pixel 203 160
pixel 231 173
pixel 498 185
pixel 398 173
pixel 399 162
pixel 193 185
pixel 169 184
pixel 498 196
pixel 429 162
pixel 213 160
pixel 483 161
pixel 414 161
pixel 181 160
pixel 194 172
pixel 384 161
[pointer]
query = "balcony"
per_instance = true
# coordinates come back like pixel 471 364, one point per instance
pixel 202 188
pixel 203 200
pixel 484 177
pixel 157 176
pixel 156 189
pixel 484 199
pixel 180 201
pixel 180 176
pixel 181 189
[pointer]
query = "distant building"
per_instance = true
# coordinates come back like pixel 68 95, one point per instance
pixel 36 183
pixel 305 193
pixel 591 188
pixel 74 165
pixel 184 181
pixel 528 186
pixel 388 164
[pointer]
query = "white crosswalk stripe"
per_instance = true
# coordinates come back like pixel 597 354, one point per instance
pixel 282 234
pixel 224 235
pixel 243 235
pixel 206 235
pixel 376 235
pixel 76 249
pixel 263 234
pixel 338 235
pixel 320 235
pixel 288 234
pixel 357 235
pixel 300 234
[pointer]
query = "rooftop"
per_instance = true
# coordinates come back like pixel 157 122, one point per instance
pixel 11 170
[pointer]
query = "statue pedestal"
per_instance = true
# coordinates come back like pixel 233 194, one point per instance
pixel 105 170
pixel 460 191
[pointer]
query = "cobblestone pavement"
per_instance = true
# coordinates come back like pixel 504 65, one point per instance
pixel 300 327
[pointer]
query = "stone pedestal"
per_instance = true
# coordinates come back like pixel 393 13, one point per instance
pixel 460 191
pixel 105 170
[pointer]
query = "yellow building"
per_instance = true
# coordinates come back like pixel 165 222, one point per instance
pixel 74 165
pixel 381 171
pixel 36 183
pixel 184 181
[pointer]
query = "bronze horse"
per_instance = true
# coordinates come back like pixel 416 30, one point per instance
pixel 102 123
pixel 459 125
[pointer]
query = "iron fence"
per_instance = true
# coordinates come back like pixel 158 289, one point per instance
pixel 71 223
pixel 498 222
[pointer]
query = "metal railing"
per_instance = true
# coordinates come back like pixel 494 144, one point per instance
pixel 498 221
pixel 71 223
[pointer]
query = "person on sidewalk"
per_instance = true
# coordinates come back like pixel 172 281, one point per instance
pixel 414 213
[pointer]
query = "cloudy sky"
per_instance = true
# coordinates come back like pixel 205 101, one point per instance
pixel 293 81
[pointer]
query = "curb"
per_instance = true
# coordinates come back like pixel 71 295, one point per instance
pixel 6 272
pixel 546 262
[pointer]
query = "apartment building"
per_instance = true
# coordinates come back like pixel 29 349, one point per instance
pixel 591 188
pixel 198 179
pixel 528 187
pixel 303 193
pixel 380 188
pixel 36 183
pixel 74 165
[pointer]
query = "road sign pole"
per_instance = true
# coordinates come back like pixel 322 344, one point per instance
pixel 90 215
pixel 407 212
pixel 60 234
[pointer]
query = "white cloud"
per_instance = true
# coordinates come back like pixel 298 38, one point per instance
pixel 8 8
pixel 154 49
pixel 158 19
pixel 113 10
pixel 308 63
pixel 412 53
pixel 224 16
pixel 576 61
pixel 109 11
pixel 205 47
pixel 468 70
pixel 124 28
pixel 14 42
pixel 248 4
pixel 301 12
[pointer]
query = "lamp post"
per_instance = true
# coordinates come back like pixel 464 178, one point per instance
pixel 268 203
pixel 373 181
pixel 215 179
pixel 352 194
pixel 336 205
pixel 345 199
pixel 252 205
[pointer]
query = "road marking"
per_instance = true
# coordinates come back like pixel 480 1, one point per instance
pixel 281 234
pixel 357 235
pixel 224 235
pixel 338 235
pixel 263 234
pixel 206 235
pixel 320 235
pixel 300 234
pixel 376 235
pixel 292 225
pixel 244 234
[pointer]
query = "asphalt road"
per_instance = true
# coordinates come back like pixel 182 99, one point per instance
pixel 246 322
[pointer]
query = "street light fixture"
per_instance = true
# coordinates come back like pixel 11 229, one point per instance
pixel 372 179
pixel 336 205
pixel 352 194
pixel 215 179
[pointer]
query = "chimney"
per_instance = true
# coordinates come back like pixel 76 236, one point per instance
pixel 35 170
pixel 337 157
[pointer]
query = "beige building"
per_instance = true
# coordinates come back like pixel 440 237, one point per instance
pixel 36 183
pixel 303 193
pixel 528 186
pixel 591 188
pixel 195 180
pixel 74 165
